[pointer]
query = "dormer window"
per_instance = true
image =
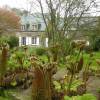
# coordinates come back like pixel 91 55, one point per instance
pixel 39 26
pixel 27 26
pixel 22 27
pixel 34 27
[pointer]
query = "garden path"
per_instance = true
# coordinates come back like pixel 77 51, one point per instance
pixel 92 87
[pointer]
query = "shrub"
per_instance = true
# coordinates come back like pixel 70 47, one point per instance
pixel 40 51
pixel 32 50
pixel 88 49
pixel 13 41
pixel 95 43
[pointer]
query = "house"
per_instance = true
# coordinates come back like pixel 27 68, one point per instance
pixel 33 27
pixel 32 31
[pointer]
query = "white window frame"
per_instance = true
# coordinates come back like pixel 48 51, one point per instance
pixel 22 27
pixel 34 27
pixel 34 40
pixel 23 41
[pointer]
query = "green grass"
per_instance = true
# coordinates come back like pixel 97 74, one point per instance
pixel 94 65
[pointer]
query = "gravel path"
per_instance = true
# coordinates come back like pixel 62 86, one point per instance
pixel 93 85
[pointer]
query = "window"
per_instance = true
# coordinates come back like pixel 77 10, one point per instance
pixel 22 27
pixel 27 26
pixel 23 40
pixel 34 27
pixel 39 26
pixel 34 40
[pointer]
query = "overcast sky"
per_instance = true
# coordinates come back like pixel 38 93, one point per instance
pixel 14 3
pixel 23 4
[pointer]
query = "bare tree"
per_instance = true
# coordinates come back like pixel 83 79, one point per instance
pixel 63 15
pixel 63 19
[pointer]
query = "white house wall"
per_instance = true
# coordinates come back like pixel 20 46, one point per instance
pixel 30 40
pixel 20 41
pixel 46 41
pixel 27 40
pixel 37 41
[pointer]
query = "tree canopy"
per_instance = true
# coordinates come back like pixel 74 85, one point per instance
pixel 9 21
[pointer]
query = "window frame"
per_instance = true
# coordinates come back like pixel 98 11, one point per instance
pixel 23 41
pixel 23 27
pixel 39 26
pixel 34 27
pixel 34 40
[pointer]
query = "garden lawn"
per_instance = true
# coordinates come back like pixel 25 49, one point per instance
pixel 96 56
